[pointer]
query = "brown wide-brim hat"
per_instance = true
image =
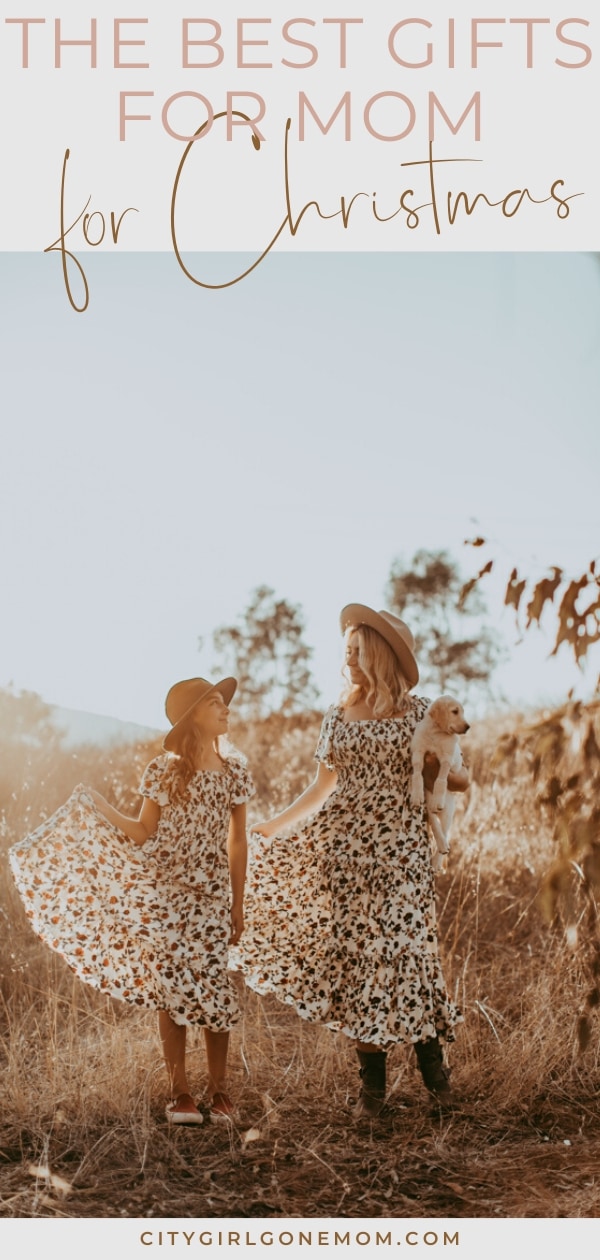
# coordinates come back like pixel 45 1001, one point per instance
pixel 395 632
pixel 184 697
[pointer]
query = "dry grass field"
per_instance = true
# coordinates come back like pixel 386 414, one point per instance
pixel 82 1132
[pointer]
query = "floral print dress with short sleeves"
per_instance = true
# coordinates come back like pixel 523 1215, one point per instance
pixel 148 924
pixel 340 917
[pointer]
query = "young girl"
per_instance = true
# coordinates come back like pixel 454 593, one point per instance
pixel 145 908
pixel 341 916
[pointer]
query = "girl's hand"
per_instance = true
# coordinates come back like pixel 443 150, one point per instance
pixel 237 924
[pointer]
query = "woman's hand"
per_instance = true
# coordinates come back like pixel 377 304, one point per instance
pixel 311 800
pixel 237 924
pixel 458 780
pixel 265 829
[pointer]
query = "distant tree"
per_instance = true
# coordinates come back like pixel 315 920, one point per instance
pixel 29 748
pixel 453 645
pixel 26 718
pixel 266 652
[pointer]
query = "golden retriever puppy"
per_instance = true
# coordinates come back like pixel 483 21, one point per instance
pixel 438 733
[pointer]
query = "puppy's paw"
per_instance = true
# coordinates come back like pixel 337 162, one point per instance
pixel 438 800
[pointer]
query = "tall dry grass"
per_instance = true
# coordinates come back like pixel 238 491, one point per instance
pixel 82 1092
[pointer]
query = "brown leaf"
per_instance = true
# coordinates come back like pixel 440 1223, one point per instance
pixel 569 620
pixel 465 590
pixel 514 591
pixel 591 610
pixel 543 593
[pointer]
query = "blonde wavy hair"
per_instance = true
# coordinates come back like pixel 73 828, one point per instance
pixel 386 689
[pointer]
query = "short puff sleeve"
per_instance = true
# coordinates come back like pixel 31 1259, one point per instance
pixel 243 788
pixel 420 705
pixel 324 749
pixel 157 779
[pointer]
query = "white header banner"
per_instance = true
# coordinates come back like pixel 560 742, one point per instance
pixel 382 127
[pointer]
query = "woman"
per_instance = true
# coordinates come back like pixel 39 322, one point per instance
pixel 341 917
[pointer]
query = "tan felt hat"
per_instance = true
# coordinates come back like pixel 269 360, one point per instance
pixel 392 629
pixel 184 696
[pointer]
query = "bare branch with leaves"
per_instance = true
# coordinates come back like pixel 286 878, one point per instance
pixel 562 756
pixel 577 618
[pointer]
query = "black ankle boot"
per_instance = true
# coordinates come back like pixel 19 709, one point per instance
pixel 436 1076
pixel 372 1074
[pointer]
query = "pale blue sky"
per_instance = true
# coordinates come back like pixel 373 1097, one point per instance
pixel 172 448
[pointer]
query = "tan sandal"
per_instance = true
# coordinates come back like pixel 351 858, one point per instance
pixel 183 1110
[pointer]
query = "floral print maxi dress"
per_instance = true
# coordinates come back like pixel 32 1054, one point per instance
pixel 340 918
pixel 148 924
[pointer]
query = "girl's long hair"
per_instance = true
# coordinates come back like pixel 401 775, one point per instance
pixel 386 689
pixel 184 761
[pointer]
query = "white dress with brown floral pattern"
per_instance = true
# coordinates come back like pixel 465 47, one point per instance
pixel 340 917
pixel 147 924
